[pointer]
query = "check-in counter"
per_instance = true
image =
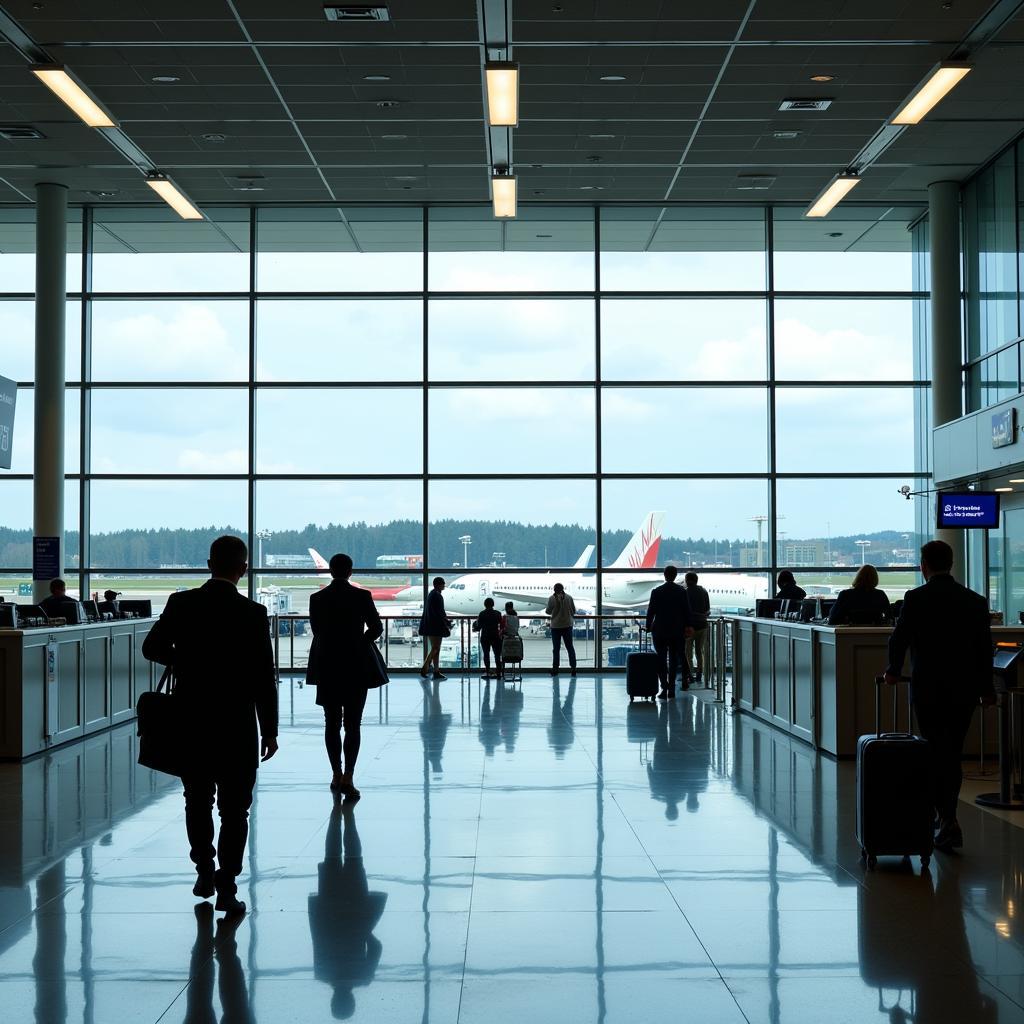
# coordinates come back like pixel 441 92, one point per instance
pixel 62 683
pixel 817 682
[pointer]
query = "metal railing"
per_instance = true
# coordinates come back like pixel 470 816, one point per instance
pixel 602 642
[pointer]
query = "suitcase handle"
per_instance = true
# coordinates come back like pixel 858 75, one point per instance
pixel 879 683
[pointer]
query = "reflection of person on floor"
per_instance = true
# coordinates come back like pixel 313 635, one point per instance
pixel 434 726
pixel 508 703
pixel 490 726
pixel 560 732
pixel 48 964
pixel 220 949
pixel 697 722
pixel 343 913
pixel 665 769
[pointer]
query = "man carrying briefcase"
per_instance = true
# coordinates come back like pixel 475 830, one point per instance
pixel 219 644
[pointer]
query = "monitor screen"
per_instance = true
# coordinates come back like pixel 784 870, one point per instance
pixel 141 609
pixel 767 607
pixel 968 510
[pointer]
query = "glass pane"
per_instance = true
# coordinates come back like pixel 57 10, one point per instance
pixel 18 340
pixel 170 430
pixel 821 522
pixel 542 250
pixel 705 523
pixel 642 430
pixel 299 521
pixel 166 524
pixel 835 429
pixel 683 340
pixel 339 430
pixel 154 250
pixel 515 430
pixel 844 339
pixel 344 340
pixel 856 248
pixel 998 376
pixel 518 339
pixel 18 251
pixel 523 523
pixel 895 583
pixel 682 249
pixel 335 250
pixel 23 435
pixel 155 589
pixel 16 524
pixel 165 341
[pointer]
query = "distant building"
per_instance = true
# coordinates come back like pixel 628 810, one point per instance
pixel 752 557
pixel 289 562
pixel 803 553
pixel 400 562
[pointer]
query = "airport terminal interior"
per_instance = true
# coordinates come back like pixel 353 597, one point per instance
pixel 513 293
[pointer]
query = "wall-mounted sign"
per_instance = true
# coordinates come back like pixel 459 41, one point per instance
pixel 1004 427
pixel 8 401
pixel 45 558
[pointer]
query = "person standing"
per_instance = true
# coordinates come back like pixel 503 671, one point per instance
pixel 946 629
pixel 668 620
pixel 561 608
pixel 435 626
pixel 218 643
pixel 700 609
pixel 344 622
pixel 488 625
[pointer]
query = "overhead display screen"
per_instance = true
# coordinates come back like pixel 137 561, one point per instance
pixel 969 510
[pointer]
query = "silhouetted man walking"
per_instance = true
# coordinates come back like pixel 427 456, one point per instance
pixel 669 621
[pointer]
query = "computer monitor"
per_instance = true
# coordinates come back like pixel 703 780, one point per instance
pixel 72 613
pixel 808 609
pixel 138 609
pixel 92 612
pixel 31 615
pixel 825 606
pixel 8 616
pixel 767 607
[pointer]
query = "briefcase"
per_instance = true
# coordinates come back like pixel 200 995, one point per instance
pixel 161 745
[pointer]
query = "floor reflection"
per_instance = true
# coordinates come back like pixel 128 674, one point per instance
pixel 667 859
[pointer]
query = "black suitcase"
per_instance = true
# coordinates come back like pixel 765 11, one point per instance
pixel 642 671
pixel 895 808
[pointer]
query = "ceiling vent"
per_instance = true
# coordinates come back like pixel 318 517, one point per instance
pixel 356 12
pixel 15 133
pixel 750 182
pixel 805 104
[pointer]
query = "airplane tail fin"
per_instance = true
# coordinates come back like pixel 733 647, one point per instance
pixel 584 559
pixel 318 560
pixel 642 550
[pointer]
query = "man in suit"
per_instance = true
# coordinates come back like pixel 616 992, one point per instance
pixel 669 621
pixel 219 645
pixel 946 628
pixel 58 605
pixel 345 622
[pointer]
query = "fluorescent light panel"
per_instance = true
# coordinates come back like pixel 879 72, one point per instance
pixel 941 79
pixel 502 93
pixel 72 93
pixel 503 192
pixel 833 192
pixel 176 200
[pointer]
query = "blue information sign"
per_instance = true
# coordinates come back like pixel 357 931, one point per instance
pixel 8 400
pixel 45 558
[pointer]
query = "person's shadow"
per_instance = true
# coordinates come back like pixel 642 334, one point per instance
pixel 490 724
pixel 343 913
pixel 218 949
pixel 561 733
pixel 434 726
pixel 666 770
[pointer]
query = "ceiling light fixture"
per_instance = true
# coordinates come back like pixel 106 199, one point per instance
pixel 602 136
pixel 73 94
pixel 502 78
pixel 387 104
pixel 503 195
pixel 1017 481
pixel 831 194
pixel 172 196
pixel 940 80
pixel 165 79
pixel 376 78
pixel 823 78
pixel 1003 490
pixel 394 138
pixel 613 78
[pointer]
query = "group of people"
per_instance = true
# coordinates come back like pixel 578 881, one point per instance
pixel 677 620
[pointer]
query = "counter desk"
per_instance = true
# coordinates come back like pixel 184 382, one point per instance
pixel 61 683
pixel 817 682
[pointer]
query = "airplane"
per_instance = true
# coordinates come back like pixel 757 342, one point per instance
pixel 377 593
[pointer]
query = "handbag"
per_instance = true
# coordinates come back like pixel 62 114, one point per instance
pixel 159 728
pixel 376 668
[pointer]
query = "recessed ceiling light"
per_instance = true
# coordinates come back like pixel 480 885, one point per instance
pixel 407 177
pixel 249 188
pixel 165 79
pixel 591 188
pixel 785 135
pixel 1003 490
pixel 214 137
pixel 105 195
pixel 1017 481
pixel 394 138
pixel 172 196
pixel 73 94
pixel 823 78
pixel 386 104
pixel 613 78
pixel 602 136
pixel 376 78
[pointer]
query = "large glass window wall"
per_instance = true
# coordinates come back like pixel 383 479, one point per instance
pixel 584 394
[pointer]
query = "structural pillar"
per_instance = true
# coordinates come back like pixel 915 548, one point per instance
pixel 946 342
pixel 48 467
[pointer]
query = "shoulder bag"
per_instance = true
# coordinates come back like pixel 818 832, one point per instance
pixel 161 745
pixel 376 668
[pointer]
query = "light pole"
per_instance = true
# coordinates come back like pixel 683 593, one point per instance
pixel 828 547
pixel 863 545
pixel 261 536
pixel 760 520
pixel 465 540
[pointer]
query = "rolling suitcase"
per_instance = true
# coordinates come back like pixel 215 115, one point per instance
pixel 895 810
pixel 642 672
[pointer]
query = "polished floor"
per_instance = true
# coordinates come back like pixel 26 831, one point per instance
pixel 543 855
